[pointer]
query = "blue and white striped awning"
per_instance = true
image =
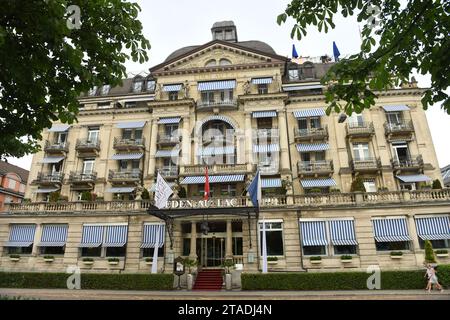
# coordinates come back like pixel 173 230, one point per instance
pixel 21 235
pixel 343 233
pixel 213 179
pixel 265 80
pixel 92 237
pixel 150 238
pixel 390 230
pixel 116 236
pixel 395 108
pixel 271 183
pixel 308 147
pixel 46 190
pixel 216 85
pixel 264 114
pixel 433 228
pixel 210 151
pixel 167 153
pixel 171 87
pixel 305 113
pixel 153 188
pixel 120 190
pixel 127 156
pixel 52 159
pixel 414 178
pixel 59 128
pixel 307 87
pixel 54 235
pixel 169 120
pixel 313 233
pixel 318 183
pixel 265 148
pixel 130 125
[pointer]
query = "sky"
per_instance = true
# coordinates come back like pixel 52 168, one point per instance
pixel 170 25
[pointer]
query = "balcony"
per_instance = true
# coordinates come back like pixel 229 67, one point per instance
pixel 49 178
pixel 168 140
pixel 265 136
pixel 409 164
pixel 220 104
pixel 402 127
pixel 82 181
pixel 272 166
pixel 133 176
pixel 366 165
pixel 360 129
pixel 87 147
pixel 312 168
pixel 168 172
pixel 128 143
pixel 311 134
pixel 217 169
pixel 57 147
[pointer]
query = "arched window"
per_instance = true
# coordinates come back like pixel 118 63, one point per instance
pixel 224 62
pixel 211 63
pixel 308 70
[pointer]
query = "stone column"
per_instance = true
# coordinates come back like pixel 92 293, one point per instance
pixel 284 145
pixel 229 241
pixel 248 130
pixel 185 143
pixel 193 250
pixel 415 241
pixel 153 137
pixel 37 240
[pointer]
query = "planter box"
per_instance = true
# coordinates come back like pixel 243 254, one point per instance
pixel 88 263
pixel 272 262
pixel 441 255
pixel 14 259
pixel 396 257
pixel 315 261
pixel 149 263
pixel 113 263
pixel 346 260
pixel 49 260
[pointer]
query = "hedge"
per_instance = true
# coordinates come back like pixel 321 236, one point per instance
pixel 390 280
pixel 34 280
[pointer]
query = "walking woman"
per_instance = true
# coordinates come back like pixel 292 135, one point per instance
pixel 432 279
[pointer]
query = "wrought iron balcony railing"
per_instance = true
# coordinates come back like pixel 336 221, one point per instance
pixel 128 143
pixel 311 133
pixel 399 127
pixel 49 178
pixel 56 146
pixel 228 103
pixel 80 177
pixel 413 162
pixel 360 129
pixel 168 171
pixel 87 145
pixel 313 167
pixel 125 176
pixel 365 164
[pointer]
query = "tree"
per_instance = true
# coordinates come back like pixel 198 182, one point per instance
pixel 437 184
pixel 145 194
pixel 358 185
pixel 413 36
pixel 429 253
pixel 49 55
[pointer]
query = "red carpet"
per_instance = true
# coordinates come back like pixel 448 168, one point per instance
pixel 209 279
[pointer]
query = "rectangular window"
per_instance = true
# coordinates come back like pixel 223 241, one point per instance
pixel 127 133
pixel 437 244
pixel 237 246
pixel 11 184
pixel 138 134
pixel 123 165
pixel 274 238
pixel 148 252
pixel 361 151
pixel 93 135
pixel 228 190
pixel 392 246
pixel 135 164
pixel 88 166
pixel 338 250
pixel 169 129
pixel 151 85
pixel 302 124
pixel 61 137
pixel 186 246
pixel 263 88
pixel 394 118
pixel 116 251
pixel 52 250
pixel 314 250
pixel 137 86
pixel 207 96
pixel 314 123
pixel 20 250
pixel 105 89
pixel 130 104
pixel 320 156
pixel 91 252
pixel 355 120
pixel 264 123
pixel 173 95
pixel 293 74
pixel 401 152
pixel 104 105
pixel 370 185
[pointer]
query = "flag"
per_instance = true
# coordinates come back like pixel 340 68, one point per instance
pixel 206 195
pixel 294 52
pixel 254 190
pixel 264 247
pixel 336 52
pixel 162 192
pixel 155 251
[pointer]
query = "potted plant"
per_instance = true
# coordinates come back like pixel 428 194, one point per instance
pixel 113 261
pixel 334 190
pixel 441 253
pixel 49 258
pixel 88 261
pixel 14 257
pixel 358 185
pixel 437 184
pixel 315 191
pixel 189 263
pixel 148 261
pixel 346 259
pixel 272 260
pixel 396 254
pixel 227 265
pixel 316 260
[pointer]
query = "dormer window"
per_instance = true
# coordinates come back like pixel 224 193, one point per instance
pixel 224 62
pixel 137 86
pixel 211 63
pixel 151 85
pixel 105 89
pixel 218 35
pixel 228 34
pixel 308 71
pixel 93 91
pixel 293 74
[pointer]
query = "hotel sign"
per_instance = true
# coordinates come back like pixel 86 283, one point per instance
pixel 202 204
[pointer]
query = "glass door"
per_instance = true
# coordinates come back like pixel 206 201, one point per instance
pixel 212 251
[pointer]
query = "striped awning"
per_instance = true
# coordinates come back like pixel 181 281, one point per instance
pixel 127 156
pixel 92 237
pixel 313 233
pixel 308 147
pixel 265 148
pixel 265 80
pixel 318 183
pixel 307 87
pixel 150 238
pixel 54 235
pixel 305 113
pixel 171 87
pixel 59 128
pixel 395 108
pixel 46 190
pixel 116 236
pixel 264 114
pixel 153 188
pixel 271 183
pixel 21 235
pixel 52 159
pixel 167 153
pixel 213 179
pixel 169 120
pixel 433 228
pixel 209 151
pixel 216 85
pixel 130 125
pixel 343 233
pixel 390 230
pixel 120 190
pixel 414 178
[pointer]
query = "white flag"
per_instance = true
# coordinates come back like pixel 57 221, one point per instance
pixel 162 192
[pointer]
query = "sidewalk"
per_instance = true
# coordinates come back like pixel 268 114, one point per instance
pixel 65 294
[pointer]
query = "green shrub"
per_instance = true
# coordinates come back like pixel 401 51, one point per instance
pixel 49 257
pixel 189 263
pixel 182 193
pixel 88 281
pixel 396 253
pixel 441 251
pixel 272 258
pixel 315 190
pixel 14 256
pixel 54 196
pixel 335 190
pixel 113 259
pixel 86 196
pixel 437 184
pixel 346 257
pixel 145 194
pixel 318 258
pixel 88 259
pixel 358 185
pixel 429 253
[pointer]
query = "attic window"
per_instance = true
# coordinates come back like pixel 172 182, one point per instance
pixel 93 91
pixel 211 63
pixel 105 89
pixel 137 86
pixel 308 71
pixel 224 62
pixel 293 74
pixel 151 85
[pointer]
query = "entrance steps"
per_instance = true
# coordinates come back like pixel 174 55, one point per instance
pixel 209 279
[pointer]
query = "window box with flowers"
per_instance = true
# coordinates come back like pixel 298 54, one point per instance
pixel 113 261
pixel 88 261
pixel 148 261
pixel 396 255
pixel 272 260
pixel 346 259
pixel 442 253
pixel 49 259
pixel 315 260
pixel 14 257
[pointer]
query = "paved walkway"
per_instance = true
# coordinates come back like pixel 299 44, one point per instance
pixel 64 294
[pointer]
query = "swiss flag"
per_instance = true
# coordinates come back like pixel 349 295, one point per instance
pixel 206 195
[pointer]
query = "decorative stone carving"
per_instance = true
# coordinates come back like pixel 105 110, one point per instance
pixel 139 191
pixel 246 87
